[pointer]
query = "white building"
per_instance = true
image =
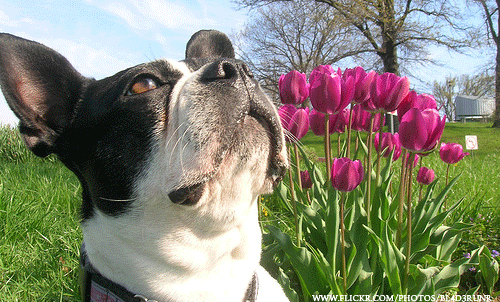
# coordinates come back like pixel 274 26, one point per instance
pixel 473 107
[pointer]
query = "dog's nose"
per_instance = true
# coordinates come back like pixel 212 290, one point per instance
pixel 225 69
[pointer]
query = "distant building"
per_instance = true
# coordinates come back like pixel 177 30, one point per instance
pixel 473 107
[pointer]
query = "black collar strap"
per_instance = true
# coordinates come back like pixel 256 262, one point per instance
pixel 96 288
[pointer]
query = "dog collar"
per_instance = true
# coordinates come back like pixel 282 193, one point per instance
pixel 96 288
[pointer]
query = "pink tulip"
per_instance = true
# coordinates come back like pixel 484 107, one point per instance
pixel 362 83
pixel 425 176
pixel 388 143
pixel 321 69
pixel 414 100
pixel 420 131
pixel 317 122
pixel 337 122
pixel 415 159
pixel 386 92
pixel 329 93
pixel 306 180
pixel 379 117
pixel 295 121
pixel 346 174
pixel 293 87
pixel 361 120
pixel 286 112
pixel 452 153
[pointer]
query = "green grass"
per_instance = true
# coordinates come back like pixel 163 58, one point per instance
pixel 39 228
pixel 478 185
pixel 40 199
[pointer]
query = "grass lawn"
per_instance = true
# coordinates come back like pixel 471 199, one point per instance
pixel 39 232
pixel 40 199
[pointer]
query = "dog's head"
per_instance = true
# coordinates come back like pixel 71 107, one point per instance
pixel 199 133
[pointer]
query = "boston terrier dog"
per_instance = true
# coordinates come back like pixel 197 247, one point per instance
pixel 171 157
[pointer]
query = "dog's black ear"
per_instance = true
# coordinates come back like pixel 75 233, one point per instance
pixel 209 44
pixel 41 87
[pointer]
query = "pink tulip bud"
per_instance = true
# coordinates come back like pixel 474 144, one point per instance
pixel 321 69
pixel 293 87
pixel 317 122
pixel 361 119
pixel 425 176
pixel 414 100
pixel 306 180
pixel 386 93
pixel 452 153
pixel 413 160
pixel 346 174
pixel 362 83
pixel 339 121
pixel 388 143
pixel 286 112
pixel 329 93
pixel 420 131
pixel 295 121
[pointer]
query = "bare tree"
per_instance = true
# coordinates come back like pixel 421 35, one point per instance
pixel 490 9
pixel 298 35
pixel 444 94
pixel 480 85
pixel 395 30
pixel 476 85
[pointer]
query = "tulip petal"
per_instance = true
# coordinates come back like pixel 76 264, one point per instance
pixel 346 174
pixel 286 112
pixel 413 132
pixel 317 122
pixel 299 124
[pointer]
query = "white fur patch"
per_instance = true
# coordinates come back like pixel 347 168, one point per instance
pixel 170 252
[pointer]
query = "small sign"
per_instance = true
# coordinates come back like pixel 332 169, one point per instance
pixel 471 142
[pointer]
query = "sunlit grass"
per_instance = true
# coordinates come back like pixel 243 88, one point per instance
pixel 40 200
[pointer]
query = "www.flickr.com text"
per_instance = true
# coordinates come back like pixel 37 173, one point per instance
pixel 403 298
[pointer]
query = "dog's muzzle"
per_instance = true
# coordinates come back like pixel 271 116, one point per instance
pixel 221 115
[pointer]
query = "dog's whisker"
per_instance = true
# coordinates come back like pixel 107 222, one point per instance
pixel 173 134
pixel 172 152
pixel 182 151
pixel 117 200
pixel 179 141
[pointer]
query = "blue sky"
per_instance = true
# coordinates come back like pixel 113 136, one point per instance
pixel 102 37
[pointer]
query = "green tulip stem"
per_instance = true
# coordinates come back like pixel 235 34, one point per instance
pixel 297 162
pixel 447 179
pixel 339 143
pixel 369 143
pixel 402 186
pixel 379 152
pixel 408 223
pixel 294 204
pixel 420 162
pixel 327 147
pixel 420 192
pixel 349 132
pixel 356 146
pixel 342 238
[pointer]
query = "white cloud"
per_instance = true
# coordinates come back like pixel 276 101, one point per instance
pixel 150 14
pixel 5 20
pixel 89 60
pixel 123 12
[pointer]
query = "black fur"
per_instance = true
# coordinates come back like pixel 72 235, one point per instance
pixel 98 132
pixel 103 134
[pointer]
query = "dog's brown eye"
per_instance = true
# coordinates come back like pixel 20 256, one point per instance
pixel 142 85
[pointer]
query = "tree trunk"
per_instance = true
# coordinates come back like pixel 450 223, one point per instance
pixel 496 114
pixel 390 56
pixel 389 53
